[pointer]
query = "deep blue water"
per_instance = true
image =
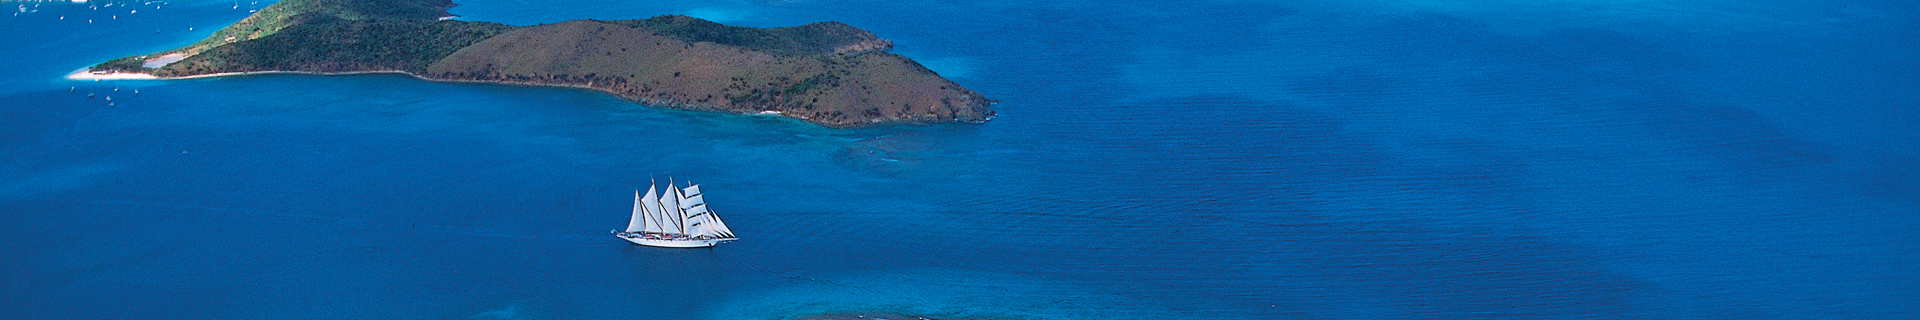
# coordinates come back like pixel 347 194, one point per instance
pixel 1203 160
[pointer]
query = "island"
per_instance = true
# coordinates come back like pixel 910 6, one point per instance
pixel 826 73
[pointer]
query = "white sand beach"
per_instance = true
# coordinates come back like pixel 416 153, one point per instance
pixel 84 74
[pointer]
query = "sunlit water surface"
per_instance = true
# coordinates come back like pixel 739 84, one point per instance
pixel 1199 160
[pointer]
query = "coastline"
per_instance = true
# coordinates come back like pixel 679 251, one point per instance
pixel 825 73
pixel 87 74
pixel 843 90
pixel 84 74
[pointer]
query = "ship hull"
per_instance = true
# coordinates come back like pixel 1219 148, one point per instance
pixel 679 243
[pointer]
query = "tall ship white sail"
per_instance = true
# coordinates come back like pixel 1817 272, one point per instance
pixel 674 218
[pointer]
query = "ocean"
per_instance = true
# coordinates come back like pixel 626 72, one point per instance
pixel 1193 160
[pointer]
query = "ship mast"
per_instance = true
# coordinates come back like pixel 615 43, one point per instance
pixel 676 217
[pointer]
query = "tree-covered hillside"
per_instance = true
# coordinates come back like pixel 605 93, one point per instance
pixel 828 73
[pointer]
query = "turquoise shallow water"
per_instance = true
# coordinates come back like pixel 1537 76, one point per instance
pixel 1220 160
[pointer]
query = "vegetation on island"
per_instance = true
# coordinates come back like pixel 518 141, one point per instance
pixel 827 73
pixel 637 63
pixel 280 15
pixel 814 38
pixel 317 42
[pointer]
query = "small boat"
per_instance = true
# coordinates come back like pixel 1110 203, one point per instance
pixel 674 218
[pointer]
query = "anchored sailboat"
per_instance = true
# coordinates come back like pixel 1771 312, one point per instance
pixel 674 218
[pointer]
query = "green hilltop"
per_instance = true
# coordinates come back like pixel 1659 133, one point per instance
pixel 827 73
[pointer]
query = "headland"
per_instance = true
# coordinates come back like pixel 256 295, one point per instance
pixel 826 73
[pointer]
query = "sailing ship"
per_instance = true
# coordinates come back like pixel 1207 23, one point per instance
pixel 674 218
